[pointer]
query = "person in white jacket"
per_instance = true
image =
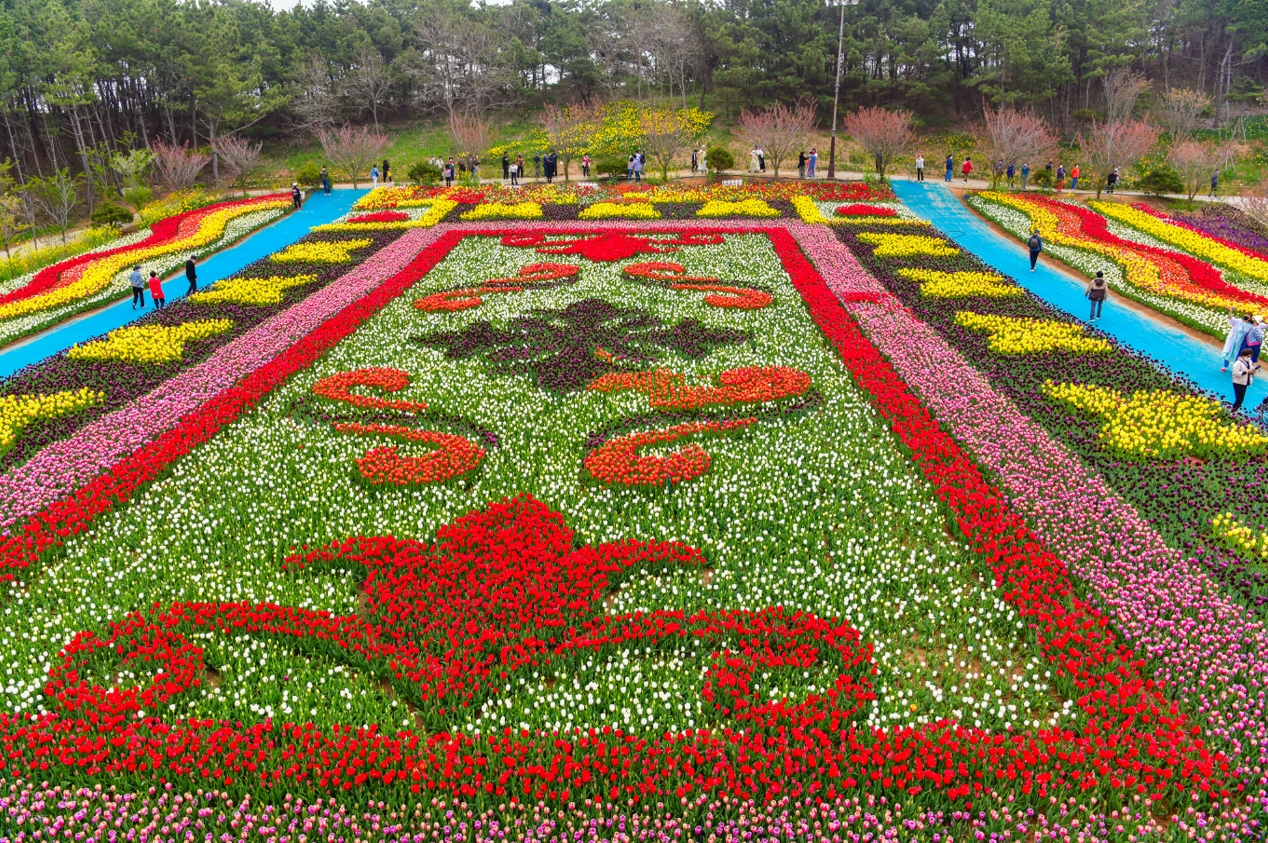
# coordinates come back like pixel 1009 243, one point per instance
pixel 1244 369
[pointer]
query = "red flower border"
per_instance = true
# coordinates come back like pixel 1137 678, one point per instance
pixel 1132 737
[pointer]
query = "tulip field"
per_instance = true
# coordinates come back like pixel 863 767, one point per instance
pixel 710 514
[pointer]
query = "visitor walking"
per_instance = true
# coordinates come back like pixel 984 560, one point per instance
pixel 761 159
pixel 1074 178
pixel 638 166
pixel 802 158
pixel 519 160
pixel 966 169
pixel 950 168
pixel 191 275
pixel 1025 176
pixel 1238 328
pixel 1011 175
pixel 449 172
pixel 920 167
pixel 585 166
pixel 137 282
pixel 695 161
pixel 1254 338
pixel 156 291
pixel 629 168
pixel 506 165
pixel 1097 293
pixel 387 172
pixel 813 167
pixel 1243 376
pixel 374 175
pixel 325 180
pixel 297 197
pixel 1215 183
pixel 537 165
pixel 1035 244
pixel 1111 181
pixel 1060 177
pixel 999 169
pixel 514 170
pixel 553 163
pixel 752 160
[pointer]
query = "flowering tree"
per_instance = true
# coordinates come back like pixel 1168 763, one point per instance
pixel 885 135
pixel 1013 137
pixel 568 129
pixel 176 167
pixel 666 133
pixel 237 156
pixel 1196 161
pixel 1255 204
pixel 1115 145
pixel 352 149
pixel 1178 111
pixel 471 134
pixel 779 130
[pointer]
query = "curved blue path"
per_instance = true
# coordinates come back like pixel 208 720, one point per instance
pixel 316 210
pixel 1182 354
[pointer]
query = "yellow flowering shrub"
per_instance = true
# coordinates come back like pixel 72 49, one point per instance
pixel 98 274
pixel 902 245
pixel 620 210
pixel 1190 241
pixel 1030 336
pixel 807 209
pixel 1160 424
pixel 251 290
pixel 742 208
pixel 501 211
pixel 339 251
pixel 956 285
pixel 150 344
pixel 18 411
pixel 1238 537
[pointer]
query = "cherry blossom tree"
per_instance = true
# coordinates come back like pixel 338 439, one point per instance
pixel 176 167
pixel 472 135
pixel 1196 161
pixel 568 128
pixel 1013 137
pixel 237 156
pixel 352 149
pixel 1111 146
pixel 778 131
pixel 883 134
pixel 1178 110
pixel 666 134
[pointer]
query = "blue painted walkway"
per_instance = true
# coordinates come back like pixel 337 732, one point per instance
pixel 317 209
pixel 1182 354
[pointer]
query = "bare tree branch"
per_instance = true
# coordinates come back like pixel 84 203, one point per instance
pixel 176 167
pixel 237 156
pixel 1013 137
pixel 1178 110
pixel 1115 146
pixel 1196 162
pixel 1121 88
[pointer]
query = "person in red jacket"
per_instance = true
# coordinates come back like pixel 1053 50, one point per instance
pixel 966 169
pixel 156 290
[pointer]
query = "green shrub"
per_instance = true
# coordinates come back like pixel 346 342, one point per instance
pixel 612 166
pixel 424 173
pixel 1160 180
pixel 1043 178
pixel 309 174
pixel 108 213
pixel 719 158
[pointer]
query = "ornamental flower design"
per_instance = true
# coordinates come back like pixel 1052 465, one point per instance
pixel 564 350
pixel 610 245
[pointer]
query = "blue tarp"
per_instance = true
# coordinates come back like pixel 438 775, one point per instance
pixel 1178 351
pixel 317 209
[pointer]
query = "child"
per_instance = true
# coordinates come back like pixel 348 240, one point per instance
pixel 156 290
pixel 1243 376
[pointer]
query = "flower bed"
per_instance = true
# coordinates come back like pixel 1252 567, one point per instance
pixel 1172 282
pixel 87 280
pixel 615 518
pixel 1197 243
pixel 1168 451
pixel 248 300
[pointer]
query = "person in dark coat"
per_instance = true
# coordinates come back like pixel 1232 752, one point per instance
pixel 297 197
pixel 1035 244
pixel 506 165
pixel 191 275
pixel 1097 293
